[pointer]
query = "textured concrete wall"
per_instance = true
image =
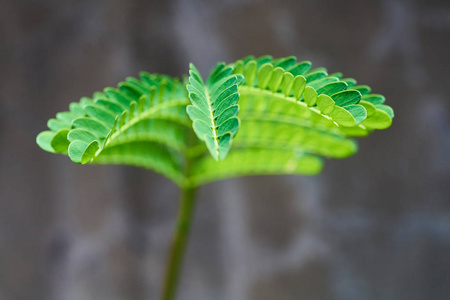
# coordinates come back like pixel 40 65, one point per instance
pixel 374 226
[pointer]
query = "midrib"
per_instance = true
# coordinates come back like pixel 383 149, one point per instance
pixel 211 116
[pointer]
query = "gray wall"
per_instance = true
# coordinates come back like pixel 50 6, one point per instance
pixel 374 226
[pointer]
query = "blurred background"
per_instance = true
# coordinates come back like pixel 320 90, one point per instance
pixel 374 226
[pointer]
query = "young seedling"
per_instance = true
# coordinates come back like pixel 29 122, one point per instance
pixel 251 117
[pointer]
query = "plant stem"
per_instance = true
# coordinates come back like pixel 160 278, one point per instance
pixel 179 241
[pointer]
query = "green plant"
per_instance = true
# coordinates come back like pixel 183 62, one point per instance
pixel 250 117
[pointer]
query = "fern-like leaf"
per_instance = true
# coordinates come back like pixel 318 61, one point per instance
pixel 255 161
pixel 142 123
pixel 214 109
pixel 264 115
pixel 285 107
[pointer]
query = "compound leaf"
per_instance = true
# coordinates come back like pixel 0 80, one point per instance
pixel 288 117
pixel 147 112
pixel 210 101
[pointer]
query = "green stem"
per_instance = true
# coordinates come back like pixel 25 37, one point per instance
pixel 179 241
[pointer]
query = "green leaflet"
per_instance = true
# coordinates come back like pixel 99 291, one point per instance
pixel 289 116
pixel 250 72
pixel 386 109
pixel 263 60
pixel 310 96
pixel 59 142
pixel 363 89
pixel 332 88
pixel 300 68
pixel 264 74
pixel 276 79
pixel 112 107
pixel 76 108
pixel 337 74
pixel 56 125
pixel 374 98
pixel 316 75
pixel 298 86
pixel 287 83
pixel 370 108
pixel 347 97
pixel 100 114
pixel 378 120
pixel 317 84
pixel 212 111
pixel 81 152
pixel 349 116
pixel 349 81
pixel 44 140
pixel 97 128
pixel 325 104
pixel 66 116
pixel 285 62
pixel 82 135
